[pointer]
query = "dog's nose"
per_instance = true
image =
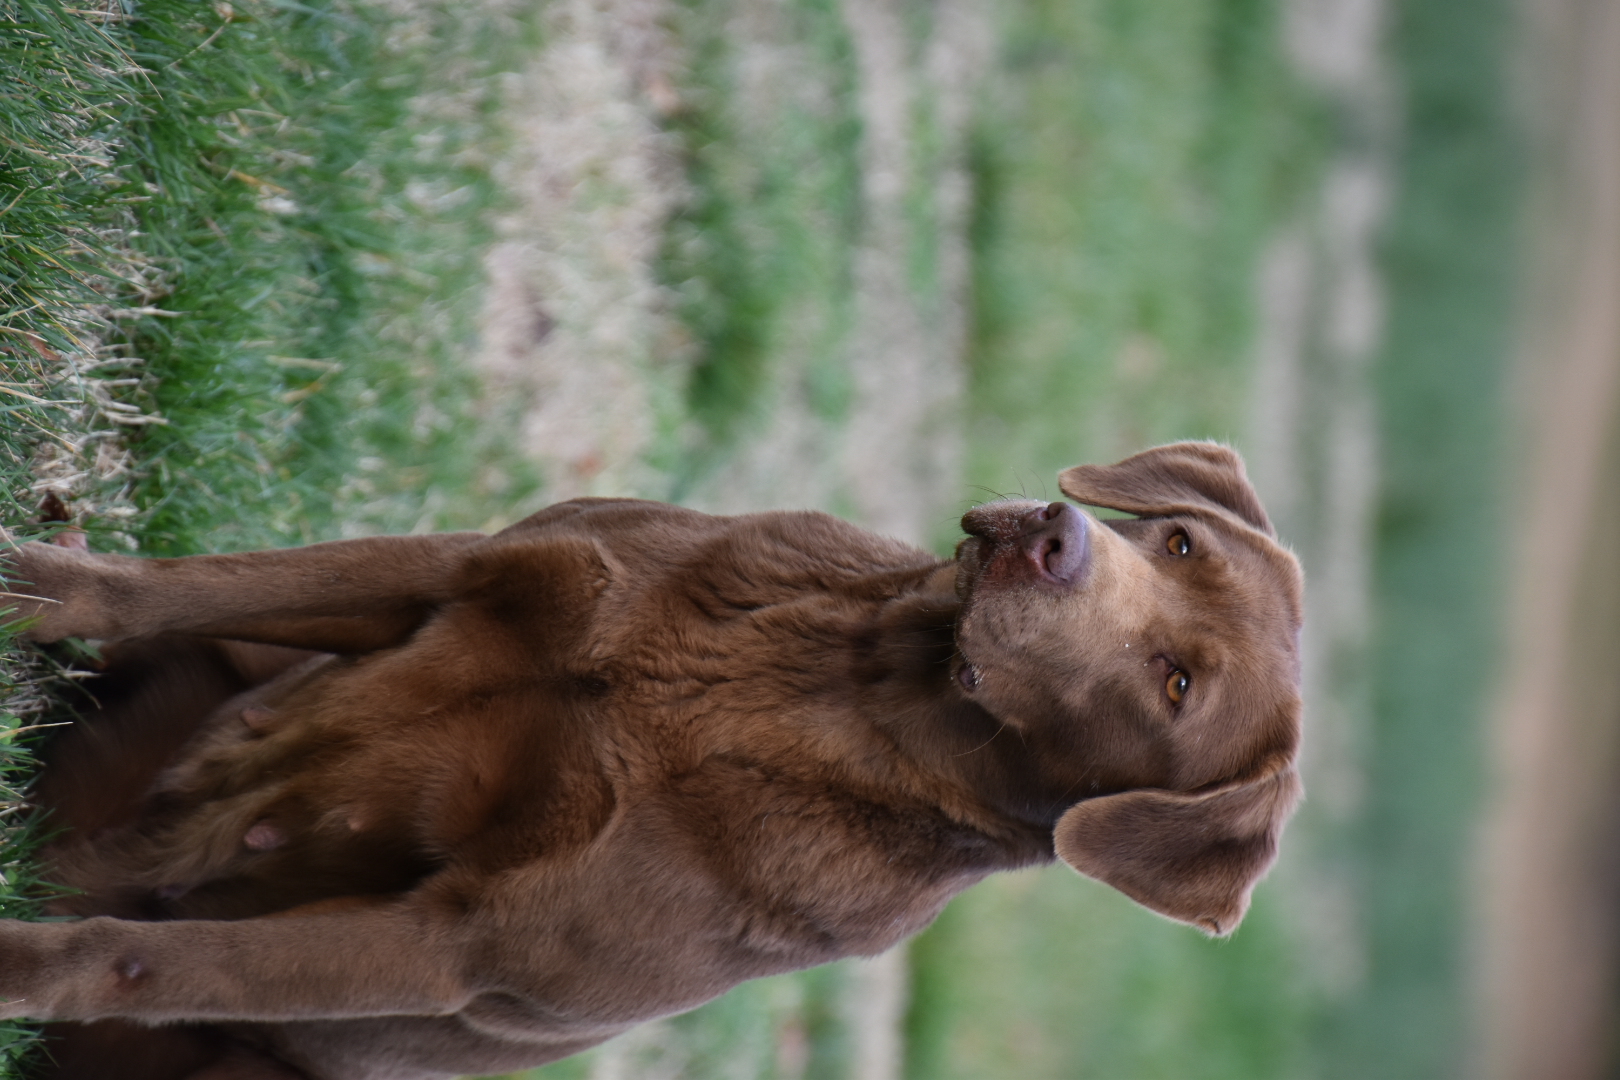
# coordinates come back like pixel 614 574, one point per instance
pixel 1057 539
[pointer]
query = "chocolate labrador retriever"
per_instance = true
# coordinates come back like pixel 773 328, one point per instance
pixel 473 803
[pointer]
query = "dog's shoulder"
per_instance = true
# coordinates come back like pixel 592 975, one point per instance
pixel 795 867
pixel 636 569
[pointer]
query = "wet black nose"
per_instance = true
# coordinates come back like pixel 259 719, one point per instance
pixel 1057 539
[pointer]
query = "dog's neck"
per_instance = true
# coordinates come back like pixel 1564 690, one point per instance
pixel 905 666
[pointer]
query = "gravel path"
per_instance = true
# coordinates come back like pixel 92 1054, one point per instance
pixel 575 329
pixel 893 462
pixel 574 322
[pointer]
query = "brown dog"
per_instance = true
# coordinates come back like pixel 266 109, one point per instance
pixel 520 792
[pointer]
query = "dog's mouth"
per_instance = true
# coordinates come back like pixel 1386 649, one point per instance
pixel 1049 544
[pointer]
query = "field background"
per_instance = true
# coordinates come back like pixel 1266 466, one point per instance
pixel 278 272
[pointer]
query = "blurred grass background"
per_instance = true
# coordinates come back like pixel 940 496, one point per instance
pixel 246 287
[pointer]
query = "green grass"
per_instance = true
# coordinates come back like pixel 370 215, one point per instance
pixel 1130 164
pixel 321 193
pixel 299 194
pixel 305 193
pixel 1043 974
pixel 1126 174
pixel 62 97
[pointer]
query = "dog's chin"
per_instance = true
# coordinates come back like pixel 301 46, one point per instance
pixel 991 627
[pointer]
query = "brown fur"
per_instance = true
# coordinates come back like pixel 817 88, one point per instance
pixel 517 793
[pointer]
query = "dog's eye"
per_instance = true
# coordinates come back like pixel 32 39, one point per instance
pixel 1177 685
pixel 1178 544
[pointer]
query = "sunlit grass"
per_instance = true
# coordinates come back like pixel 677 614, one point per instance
pixel 321 194
pixel 64 86
pixel 237 240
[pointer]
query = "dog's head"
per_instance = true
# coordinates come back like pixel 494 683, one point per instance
pixel 1151 664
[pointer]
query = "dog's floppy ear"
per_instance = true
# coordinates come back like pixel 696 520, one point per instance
pixel 1178 478
pixel 1192 856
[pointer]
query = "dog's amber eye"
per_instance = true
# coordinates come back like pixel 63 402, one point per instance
pixel 1176 685
pixel 1178 544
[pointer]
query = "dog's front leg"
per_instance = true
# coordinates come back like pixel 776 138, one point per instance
pixel 386 960
pixel 344 596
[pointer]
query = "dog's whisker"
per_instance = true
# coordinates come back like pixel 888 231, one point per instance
pixel 984 744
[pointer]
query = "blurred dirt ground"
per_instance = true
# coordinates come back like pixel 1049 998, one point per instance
pixel 1547 941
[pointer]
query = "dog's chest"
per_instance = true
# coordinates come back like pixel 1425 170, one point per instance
pixel 810 867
